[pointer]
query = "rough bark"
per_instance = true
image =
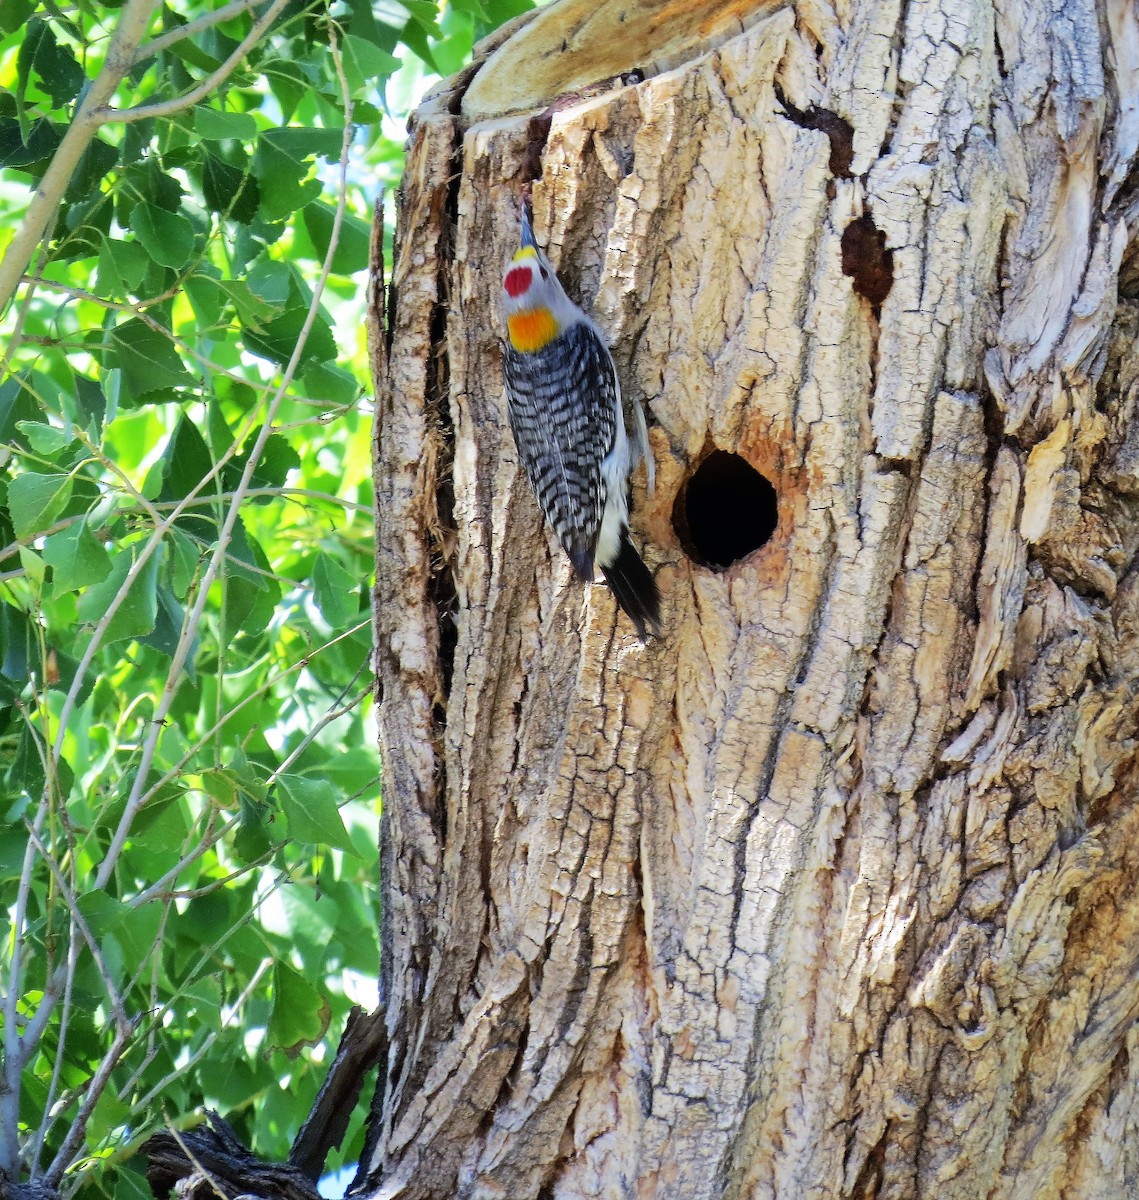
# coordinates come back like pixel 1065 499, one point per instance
pixel 832 891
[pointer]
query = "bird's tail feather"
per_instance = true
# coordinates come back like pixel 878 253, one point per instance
pixel 634 588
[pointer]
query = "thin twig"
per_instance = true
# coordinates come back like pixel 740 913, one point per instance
pixel 15 1045
pixel 227 1015
pixel 47 1121
pixel 15 336
pixel 192 1158
pixel 191 29
pixel 159 887
pixel 117 1005
pixel 167 108
pixel 95 1089
pixel 333 714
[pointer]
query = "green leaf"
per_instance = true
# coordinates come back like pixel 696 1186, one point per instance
pixel 185 556
pixel 33 566
pixel 32 152
pixel 329 383
pixel 161 828
pixel 473 8
pixel 336 592
pixel 77 558
pixel 17 405
pixel 251 310
pixel 282 179
pixel 228 189
pixel 365 64
pixel 277 340
pixel 45 439
pixel 168 237
pixel 187 462
pixel 270 280
pixel 168 629
pixel 59 74
pixel 206 298
pixel 14 13
pixel 278 458
pixel 93 165
pixel 148 360
pixel 17 644
pixel 103 913
pixel 425 13
pixel 300 1013
pixel 109 1114
pixel 251 593
pixel 26 771
pixel 288 83
pixel 355 237
pixel 126 1184
pixel 311 921
pixel 90 403
pixel 500 11
pixel 215 125
pixel 279 164
pixel 314 818
pixel 36 500
pixel 135 617
pixel 122 266
pixel 299 144
pixel 252 840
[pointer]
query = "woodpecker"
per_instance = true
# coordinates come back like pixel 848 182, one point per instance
pixel 568 420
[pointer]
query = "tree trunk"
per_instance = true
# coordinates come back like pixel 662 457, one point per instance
pixel 834 889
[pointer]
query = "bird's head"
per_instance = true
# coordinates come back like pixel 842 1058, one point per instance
pixel 536 307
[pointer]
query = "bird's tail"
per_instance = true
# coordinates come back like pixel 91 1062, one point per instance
pixel 634 588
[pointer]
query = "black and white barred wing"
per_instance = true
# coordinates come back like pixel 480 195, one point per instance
pixel 562 402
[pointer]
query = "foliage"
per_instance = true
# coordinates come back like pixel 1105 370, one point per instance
pixel 187 858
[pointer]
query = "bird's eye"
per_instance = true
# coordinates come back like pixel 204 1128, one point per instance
pixel 545 273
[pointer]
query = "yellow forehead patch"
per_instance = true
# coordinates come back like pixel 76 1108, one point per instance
pixel 531 329
pixel 524 253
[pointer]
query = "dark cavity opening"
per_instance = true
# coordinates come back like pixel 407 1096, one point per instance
pixel 725 511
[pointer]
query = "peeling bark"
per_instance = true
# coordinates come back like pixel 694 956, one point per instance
pixel 832 891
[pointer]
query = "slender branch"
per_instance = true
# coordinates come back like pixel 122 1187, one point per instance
pixel 95 1089
pixel 166 108
pixel 129 32
pixel 16 334
pixel 160 886
pixel 191 29
pixel 117 1006
pixel 227 1015
pixel 137 309
pixel 15 1046
pixel 333 714
pixel 57 1067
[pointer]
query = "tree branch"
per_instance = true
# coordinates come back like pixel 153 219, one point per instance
pixel 41 212
pixel 74 1138
pixel 191 29
pixel 166 108
pixel 363 1045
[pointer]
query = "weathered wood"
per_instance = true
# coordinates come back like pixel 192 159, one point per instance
pixel 832 891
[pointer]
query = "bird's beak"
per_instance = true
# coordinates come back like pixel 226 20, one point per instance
pixel 527 229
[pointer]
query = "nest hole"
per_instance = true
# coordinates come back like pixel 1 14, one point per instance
pixel 725 511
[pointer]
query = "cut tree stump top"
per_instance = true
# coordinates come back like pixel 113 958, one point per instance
pixel 570 46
